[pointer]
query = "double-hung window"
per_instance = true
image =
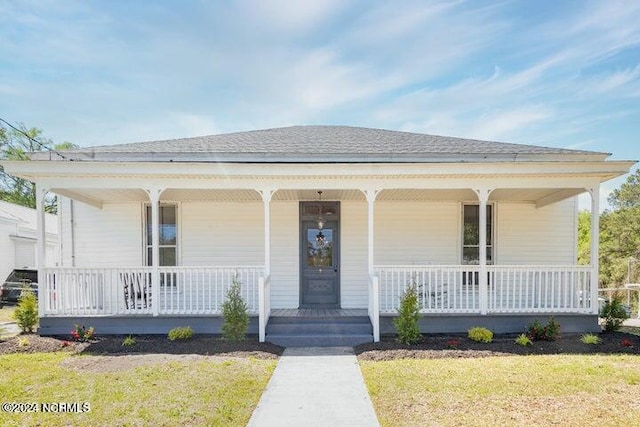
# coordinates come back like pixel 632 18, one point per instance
pixel 168 239
pixel 471 240
pixel 471 235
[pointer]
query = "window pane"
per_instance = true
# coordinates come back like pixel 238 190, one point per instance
pixel 470 255
pixel 167 225
pixel 167 256
pixel 471 229
pixel 319 250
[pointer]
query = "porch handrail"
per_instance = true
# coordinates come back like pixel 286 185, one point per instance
pixel 184 290
pixel 511 288
pixel 540 288
pixel 374 306
pixel 440 288
pixel 264 311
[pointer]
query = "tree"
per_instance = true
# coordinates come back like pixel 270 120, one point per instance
pixel 628 195
pixel 15 144
pixel 584 237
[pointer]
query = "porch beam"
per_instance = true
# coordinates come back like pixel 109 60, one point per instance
pixel 154 198
pixel 74 195
pixel 41 245
pixel 595 244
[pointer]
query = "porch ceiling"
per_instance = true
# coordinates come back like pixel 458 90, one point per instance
pixel 539 196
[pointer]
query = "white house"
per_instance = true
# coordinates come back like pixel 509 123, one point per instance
pixel 319 222
pixel 18 237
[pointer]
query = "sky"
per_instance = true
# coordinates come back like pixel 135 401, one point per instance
pixel 552 73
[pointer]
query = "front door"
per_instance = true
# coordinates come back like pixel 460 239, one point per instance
pixel 319 256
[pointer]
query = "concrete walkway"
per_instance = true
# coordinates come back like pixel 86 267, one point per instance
pixel 315 386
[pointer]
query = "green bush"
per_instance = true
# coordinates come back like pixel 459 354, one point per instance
pixel 235 314
pixel 26 313
pixel 590 339
pixel 613 314
pixel 406 323
pixel 523 340
pixel 180 333
pixel 128 341
pixel 539 332
pixel 480 334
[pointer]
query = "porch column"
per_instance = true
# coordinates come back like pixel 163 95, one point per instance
pixel 483 285
pixel 154 198
pixel 41 244
pixel 266 200
pixel 595 245
pixel 264 297
pixel 374 292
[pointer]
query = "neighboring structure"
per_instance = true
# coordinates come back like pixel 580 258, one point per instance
pixel 18 237
pixel 487 231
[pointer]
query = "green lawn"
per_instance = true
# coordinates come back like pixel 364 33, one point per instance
pixel 567 390
pixel 209 392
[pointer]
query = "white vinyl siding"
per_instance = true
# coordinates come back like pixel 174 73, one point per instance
pixel 353 252
pixel 416 233
pixel 221 234
pixel 528 235
pixel 285 255
pixel 108 237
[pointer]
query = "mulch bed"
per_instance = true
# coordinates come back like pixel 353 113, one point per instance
pixel 432 347
pixel 441 346
pixel 202 344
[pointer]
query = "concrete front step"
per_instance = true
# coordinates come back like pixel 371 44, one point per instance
pixel 334 331
pixel 324 340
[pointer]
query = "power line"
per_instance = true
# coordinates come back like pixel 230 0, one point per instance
pixel 42 145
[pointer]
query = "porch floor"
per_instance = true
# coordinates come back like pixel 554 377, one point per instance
pixel 319 312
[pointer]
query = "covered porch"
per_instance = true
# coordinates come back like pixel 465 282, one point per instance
pixel 369 280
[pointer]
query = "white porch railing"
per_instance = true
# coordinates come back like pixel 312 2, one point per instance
pixel 128 291
pixel 511 289
pixel 539 289
pixel 441 288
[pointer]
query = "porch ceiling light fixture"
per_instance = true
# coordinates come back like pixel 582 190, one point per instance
pixel 320 239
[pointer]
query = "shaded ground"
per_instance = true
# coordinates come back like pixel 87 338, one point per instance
pixel 204 345
pixel 438 346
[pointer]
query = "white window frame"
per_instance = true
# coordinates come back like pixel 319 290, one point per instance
pixel 145 240
pixel 493 234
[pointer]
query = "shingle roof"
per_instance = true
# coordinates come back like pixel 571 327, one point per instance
pixel 323 143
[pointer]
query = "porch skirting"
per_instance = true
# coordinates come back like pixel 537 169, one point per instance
pixel 429 323
pixel 124 325
pixel 498 323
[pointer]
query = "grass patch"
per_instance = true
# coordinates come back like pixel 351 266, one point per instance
pixel 6 314
pixel 209 392
pixel 572 390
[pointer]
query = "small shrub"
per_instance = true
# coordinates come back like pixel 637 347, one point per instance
pixel 180 333
pixel 453 344
pixel 523 340
pixel 65 344
pixel 590 339
pixel 26 313
pixel 128 341
pixel 82 334
pixel 406 323
pixel 614 314
pixel 538 332
pixel 235 314
pixel 626 342
pixel 480 334
pixel 23 342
